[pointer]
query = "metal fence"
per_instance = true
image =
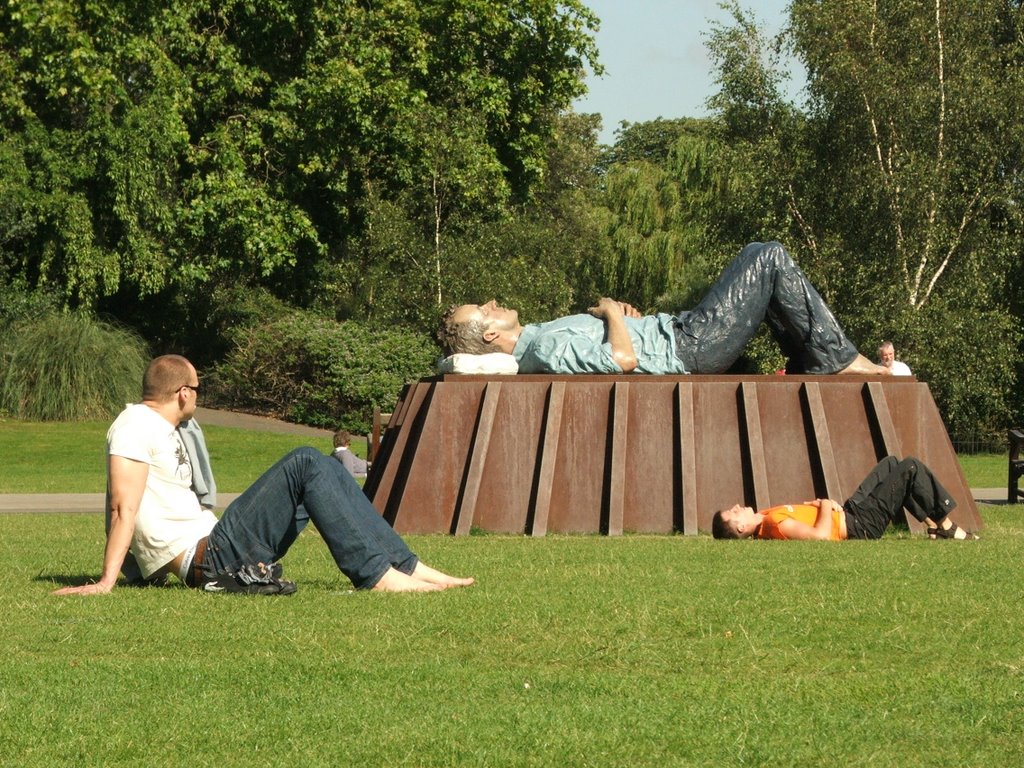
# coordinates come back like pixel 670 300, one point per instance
pixel 973 443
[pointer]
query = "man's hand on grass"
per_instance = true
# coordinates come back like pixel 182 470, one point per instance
pixel 99 588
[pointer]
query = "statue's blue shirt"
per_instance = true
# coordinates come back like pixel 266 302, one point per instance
pixel 578 344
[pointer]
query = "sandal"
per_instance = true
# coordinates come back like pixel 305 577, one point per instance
pixel 950 533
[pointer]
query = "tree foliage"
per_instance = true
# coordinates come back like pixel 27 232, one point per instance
pixel 898 187
pixel 762 136
pixel 917 117
pixel 198 168
pixel 148 146
pixel 660 184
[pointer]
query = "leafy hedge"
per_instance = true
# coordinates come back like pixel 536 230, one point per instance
pixel 312 370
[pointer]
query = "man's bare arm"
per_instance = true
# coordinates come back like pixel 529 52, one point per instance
pixel 614 313
pixel 127 484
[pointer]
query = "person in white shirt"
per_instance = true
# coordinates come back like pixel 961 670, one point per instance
pixel 156 516
pixel 887 357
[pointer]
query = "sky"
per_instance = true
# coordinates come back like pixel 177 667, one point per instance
pixel 655 61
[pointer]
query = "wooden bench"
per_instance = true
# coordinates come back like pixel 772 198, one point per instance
pixel 1016 466
pixel 380 423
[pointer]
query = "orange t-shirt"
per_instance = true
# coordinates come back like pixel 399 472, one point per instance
pixel 805 513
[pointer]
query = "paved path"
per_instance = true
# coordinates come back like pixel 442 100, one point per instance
pixel 93 502
pixel 209 416
pixel 58 503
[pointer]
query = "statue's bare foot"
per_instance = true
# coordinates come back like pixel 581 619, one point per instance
pixel 425 573
pixel 396 581
pixel 862 365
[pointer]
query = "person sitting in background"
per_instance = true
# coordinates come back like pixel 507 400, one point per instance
pixel 762 284
pixel 888 488
pixel 155 514
pixel 887 357
pixel 356 466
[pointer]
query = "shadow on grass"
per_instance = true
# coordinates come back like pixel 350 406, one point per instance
pixel 80 580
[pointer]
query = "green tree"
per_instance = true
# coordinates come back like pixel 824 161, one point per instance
pixel 539 255
pixel 898 188
pixel 917 113
pixel 524 259
pixel 652 140
pixel 152 148
pixel 662 187
pixel 312 370
pixel 762 141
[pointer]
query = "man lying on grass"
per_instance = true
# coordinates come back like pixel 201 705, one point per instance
pixel 888 488
pixel 156 516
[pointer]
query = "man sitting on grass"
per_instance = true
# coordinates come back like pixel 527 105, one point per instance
pixel 156 516
pixel 888 488
pixel 762 284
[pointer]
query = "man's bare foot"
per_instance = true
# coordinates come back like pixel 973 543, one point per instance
pixel 862 365
pixel 396 581
pixel 426 573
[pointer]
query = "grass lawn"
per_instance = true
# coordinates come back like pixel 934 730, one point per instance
pixel 985 470
pixel 570 651
pixel 70 458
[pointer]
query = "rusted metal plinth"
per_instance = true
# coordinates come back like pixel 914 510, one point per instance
pixel 585 454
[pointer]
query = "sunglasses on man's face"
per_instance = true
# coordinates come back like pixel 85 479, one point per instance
pixel 196 388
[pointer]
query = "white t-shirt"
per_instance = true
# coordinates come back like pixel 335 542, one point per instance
pixel 170 518
pixel 900 369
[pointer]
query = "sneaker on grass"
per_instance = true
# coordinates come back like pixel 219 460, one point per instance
pixel 258 579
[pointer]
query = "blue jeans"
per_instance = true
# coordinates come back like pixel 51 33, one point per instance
pixel 261 524
pixel 762 284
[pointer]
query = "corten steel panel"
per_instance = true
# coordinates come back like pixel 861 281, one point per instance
pixel 687 446
pixel 790 454
pixel 820 444
pixel 379 484
pixel 750 424
pixel 720 447
pixel 879 407
pixel 509 472
pixel 643 453
pixel 479 450
pixel 581 465
pixel 438 440
pixel 547 458
pixel 652 489
pixel 856 443
pixel 615 475
pixel 910 408
pixel 922 434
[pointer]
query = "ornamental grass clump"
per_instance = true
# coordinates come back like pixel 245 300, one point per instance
pixel 69 366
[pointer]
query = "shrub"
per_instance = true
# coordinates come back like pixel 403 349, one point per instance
pixel 69 366
pixel 195 321
pixel 312 370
